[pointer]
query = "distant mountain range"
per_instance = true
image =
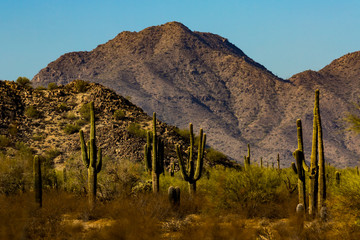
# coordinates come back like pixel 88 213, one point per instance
pixel 187 76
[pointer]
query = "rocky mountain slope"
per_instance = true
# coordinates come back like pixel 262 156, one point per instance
pixel 43 119
pixel 187 76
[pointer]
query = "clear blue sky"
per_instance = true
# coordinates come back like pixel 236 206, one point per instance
pixel 285 36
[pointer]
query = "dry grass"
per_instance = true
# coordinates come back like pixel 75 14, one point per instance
pixel 229 204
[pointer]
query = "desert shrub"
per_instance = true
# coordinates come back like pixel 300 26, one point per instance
pixel 62 107
pixel 215 157
pixel 16 171
pixel 136 130
pixel 119 115
pixel 257 192
pixel 4 141
pixel 85 111
pixel 76 175
pixel 13 128
pixel 81 122
pixel 71 128
pixel 52 86
pixel 71 116
pixel 32 112
pixel 118 177
pixel 23 81
pixel 185 133
pixel 81 85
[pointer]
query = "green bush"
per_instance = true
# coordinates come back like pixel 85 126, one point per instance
pixel 52 86
pixel 136 130
pixel 23 81
pixel 62 107
pixel 71 116
pixel 185 133
pixel 4 141
pixel 81 122
pixel 81 85
pixel 32 112
pixel 215 157
pixel 119 115
pixel 71 128
pixel 85 111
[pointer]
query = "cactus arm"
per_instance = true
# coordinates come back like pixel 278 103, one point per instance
pixel 92 121
pixel 146 159
pixel 154 146
pixel 181 163
pixel 300 143
pixel 200 160
pixel 84 153
pixel 99 158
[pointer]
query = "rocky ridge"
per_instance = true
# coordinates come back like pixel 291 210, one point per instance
pixel 59 107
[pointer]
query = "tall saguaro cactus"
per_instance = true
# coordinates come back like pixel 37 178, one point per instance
pixel 321 176
pixel 314 170
pixel 154 156
pixel 317 181
pixel 190 174
pixel 37 180
pixel 92 157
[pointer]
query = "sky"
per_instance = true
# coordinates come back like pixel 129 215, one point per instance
pixel 285 36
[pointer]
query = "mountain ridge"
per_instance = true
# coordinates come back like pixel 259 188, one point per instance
pixel 188 76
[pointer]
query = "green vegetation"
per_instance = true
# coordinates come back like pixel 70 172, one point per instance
pixel 52 86
pixel 189 172
pixel 119 115
pixel 92 157
pixel 71 128
pixel 32 112
pixel 136 130
pixel 154 156
pixel 4 141
pixel 62 107
pixel 85 111
pixel 81 86
pixel 24 82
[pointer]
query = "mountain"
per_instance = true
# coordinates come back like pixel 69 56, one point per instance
pixel 188 76
pixel 45 120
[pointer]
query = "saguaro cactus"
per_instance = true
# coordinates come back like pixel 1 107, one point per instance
pixel 247 158
pixel 154 156
pixel 92 157
pixel 191 174
pixel 37 180
pixel 314 171
pixel 322 176
pixel 299 156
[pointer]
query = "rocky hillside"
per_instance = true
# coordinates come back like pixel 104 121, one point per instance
pixel 189 76
pixel 49 120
